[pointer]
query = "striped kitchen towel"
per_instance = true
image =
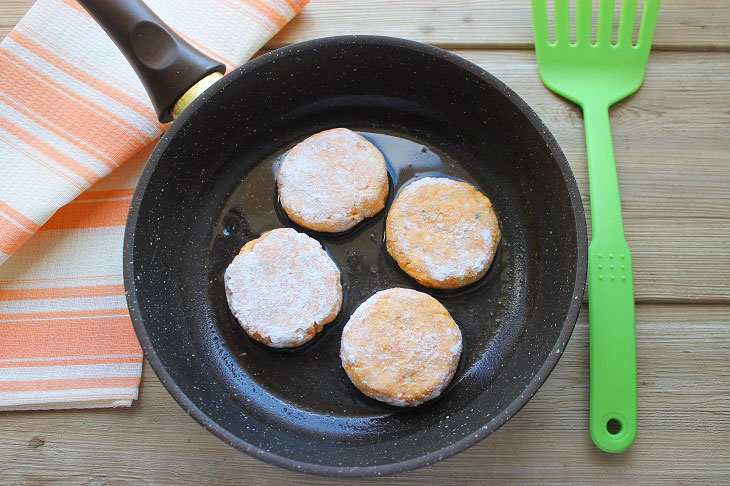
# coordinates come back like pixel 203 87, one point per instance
pixel 72 111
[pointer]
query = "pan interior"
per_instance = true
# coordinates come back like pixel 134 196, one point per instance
pixel 212 189
pixel 310 379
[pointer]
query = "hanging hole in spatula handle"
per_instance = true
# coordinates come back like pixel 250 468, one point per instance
pixel 165 63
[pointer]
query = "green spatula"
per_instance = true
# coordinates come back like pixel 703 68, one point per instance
pixel 595 76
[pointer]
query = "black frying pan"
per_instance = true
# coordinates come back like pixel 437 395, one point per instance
pixel 209 187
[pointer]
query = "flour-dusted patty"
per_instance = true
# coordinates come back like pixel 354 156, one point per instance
pixel 333 180
pixel 401 347
pixel 442 232
pixel 283 288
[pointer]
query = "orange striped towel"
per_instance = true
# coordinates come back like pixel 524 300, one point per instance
pixel 71 112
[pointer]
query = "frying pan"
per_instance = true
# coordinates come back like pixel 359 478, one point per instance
pixel 209 187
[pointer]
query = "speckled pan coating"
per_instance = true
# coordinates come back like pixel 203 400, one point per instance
pixel 297 409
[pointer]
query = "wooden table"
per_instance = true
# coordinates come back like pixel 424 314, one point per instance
pixel 672 142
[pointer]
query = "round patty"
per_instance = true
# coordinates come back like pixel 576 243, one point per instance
pixel 333 180
pixel 283 288
pixel 442 232
pixel 401 347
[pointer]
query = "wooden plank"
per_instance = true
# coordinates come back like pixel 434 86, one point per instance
pixel 672 146
pixel 11 11
pixel 684 424
pixel 685 25
pixel 695 25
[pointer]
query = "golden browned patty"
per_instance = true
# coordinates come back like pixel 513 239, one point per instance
pixel 401 347
pixel 283 288
pixel 442 232
pixel 333 180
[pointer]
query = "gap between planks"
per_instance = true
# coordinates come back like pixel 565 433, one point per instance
pixel 485 24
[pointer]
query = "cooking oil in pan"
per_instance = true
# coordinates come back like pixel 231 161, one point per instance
pixel 366 267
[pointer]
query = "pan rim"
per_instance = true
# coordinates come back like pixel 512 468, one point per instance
pixel 381 469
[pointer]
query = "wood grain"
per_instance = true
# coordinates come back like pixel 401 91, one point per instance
pixel 672 142
pixel 684 425
pixel 685 25
pixel 695 25
pixel 11 11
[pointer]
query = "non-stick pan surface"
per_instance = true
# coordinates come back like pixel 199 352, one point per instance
pixel 209 187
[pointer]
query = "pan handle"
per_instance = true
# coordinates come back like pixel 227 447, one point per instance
pixel 167 65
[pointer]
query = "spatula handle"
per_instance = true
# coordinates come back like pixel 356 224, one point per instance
pixel 613 406
pixel 612 346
